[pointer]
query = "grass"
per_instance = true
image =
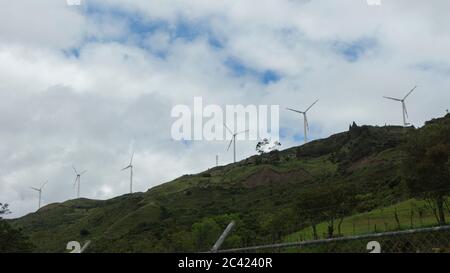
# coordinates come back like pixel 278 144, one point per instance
pixel 378 220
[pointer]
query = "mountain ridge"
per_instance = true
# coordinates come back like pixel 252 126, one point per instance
pixel 257 192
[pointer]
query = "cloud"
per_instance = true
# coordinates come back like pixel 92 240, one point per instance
pixel 46 23
pixel 86 85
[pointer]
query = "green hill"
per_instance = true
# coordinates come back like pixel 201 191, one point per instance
pixel 260 193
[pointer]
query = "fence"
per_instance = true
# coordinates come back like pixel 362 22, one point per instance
pixel 425 240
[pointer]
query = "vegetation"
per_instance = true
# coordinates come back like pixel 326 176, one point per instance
pixel 426 168
pixel 409 214
pixel 323 189
pixel 11 240
pixel 266 145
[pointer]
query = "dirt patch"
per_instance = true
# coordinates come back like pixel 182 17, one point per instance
pixel 269 176
pixel 363 163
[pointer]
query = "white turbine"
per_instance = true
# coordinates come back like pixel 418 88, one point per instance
pixel 404 110
pixel 305 119
pixel 39 190
pixel 233 140
pixel 78 180
pixel 130 166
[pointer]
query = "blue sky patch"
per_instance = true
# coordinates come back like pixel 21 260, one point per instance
pixel 269 77
pixel 284 132
pixel 72 53
pixel 239 69
pixel 433 67
pixel 298 137
pixel 353 51
pixel 139 29
pixel 187 30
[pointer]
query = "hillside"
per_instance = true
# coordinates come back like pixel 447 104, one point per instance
pixel 261 193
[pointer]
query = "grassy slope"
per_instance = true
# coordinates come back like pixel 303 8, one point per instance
pixel 378 220
pixel 366 158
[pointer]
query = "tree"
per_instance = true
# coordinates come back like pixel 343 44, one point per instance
pixel 181 241
pixel 11 240
pixel 205 233
pixel 266 145
pixel 3 209
pixel 426 168
pixel 281 223
pixel 338 202
pixel 330 204
pixel 307 210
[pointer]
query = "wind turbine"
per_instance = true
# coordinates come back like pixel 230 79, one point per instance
pixel 130 166
pixel 305 119
pixel 40 192
pixel 78 180
pixel 404 110
pixel 233 140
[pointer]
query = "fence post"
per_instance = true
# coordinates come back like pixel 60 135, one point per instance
pixel 222 237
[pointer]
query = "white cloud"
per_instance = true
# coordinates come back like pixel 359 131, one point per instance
pixel 45 23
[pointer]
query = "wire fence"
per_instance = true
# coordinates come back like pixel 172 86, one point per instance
pixel 409 215
pixel 424 240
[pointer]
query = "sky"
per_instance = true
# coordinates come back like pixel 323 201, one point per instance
pixel 87 85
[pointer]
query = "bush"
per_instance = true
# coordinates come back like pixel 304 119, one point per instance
pixel 84 232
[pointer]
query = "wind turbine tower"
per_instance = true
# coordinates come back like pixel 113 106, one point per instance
pixel 130 166
pixel 305 119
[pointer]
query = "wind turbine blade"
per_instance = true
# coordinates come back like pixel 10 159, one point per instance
pixel 389 98
pixel 293 110
pixel 407 95
pixel 83 172
pixel 33 188
pixel 44 184
pixel 75 170
pixel 131 161
pixel 129 166
pixel 76 179
pixel 229 130
pixel 311 106
pixel 229 145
